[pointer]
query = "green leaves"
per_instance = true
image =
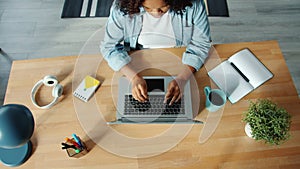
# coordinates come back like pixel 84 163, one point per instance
pixel 268 121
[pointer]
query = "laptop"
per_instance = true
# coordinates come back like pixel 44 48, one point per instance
pixel 154 110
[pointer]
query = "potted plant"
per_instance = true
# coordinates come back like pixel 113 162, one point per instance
pixel 267 121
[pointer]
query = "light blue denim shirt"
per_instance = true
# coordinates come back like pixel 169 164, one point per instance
pixel 191 30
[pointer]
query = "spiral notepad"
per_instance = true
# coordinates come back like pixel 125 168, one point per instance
pixel 86 88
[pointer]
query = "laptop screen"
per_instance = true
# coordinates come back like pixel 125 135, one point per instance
pixel 155 85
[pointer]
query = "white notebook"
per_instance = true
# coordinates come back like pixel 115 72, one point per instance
pixel 239 75
pixel 86 88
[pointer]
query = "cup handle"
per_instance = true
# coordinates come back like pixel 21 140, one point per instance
pixel 207 90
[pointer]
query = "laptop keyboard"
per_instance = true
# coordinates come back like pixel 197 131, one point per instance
pixel 154 106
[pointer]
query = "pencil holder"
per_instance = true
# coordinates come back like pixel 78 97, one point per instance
pixel 77 153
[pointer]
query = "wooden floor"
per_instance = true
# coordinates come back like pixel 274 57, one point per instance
pixel 33 29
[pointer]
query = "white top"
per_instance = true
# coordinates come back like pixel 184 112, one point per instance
pixel 157 32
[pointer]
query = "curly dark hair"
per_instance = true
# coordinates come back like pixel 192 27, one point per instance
pixel 133 6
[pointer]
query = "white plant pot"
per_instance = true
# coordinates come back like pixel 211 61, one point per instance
pixel 248 130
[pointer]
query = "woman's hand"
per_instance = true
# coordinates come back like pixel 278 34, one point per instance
pixel 176 86
pixel 175 91
pixel 139 85
pixel 139 88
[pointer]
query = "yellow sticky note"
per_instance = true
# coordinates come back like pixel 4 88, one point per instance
pixel 90 82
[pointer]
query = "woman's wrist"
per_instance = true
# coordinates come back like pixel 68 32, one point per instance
pixel 136 76
pixel 129 72
pixel 186 73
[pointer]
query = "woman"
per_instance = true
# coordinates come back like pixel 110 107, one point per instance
pixel 183 21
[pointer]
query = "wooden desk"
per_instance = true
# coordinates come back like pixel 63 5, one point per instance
pixel 228 147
